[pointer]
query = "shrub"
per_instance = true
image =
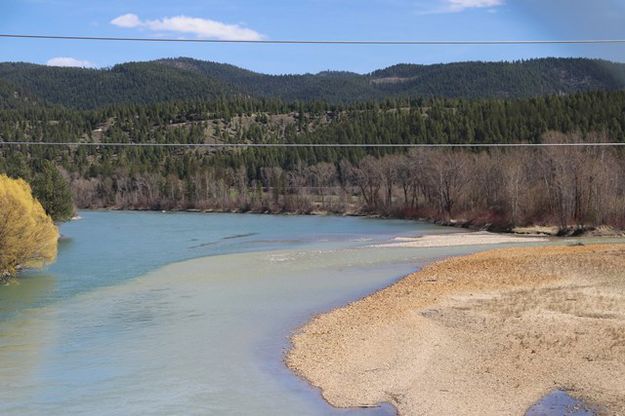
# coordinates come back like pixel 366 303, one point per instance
pixel 28 236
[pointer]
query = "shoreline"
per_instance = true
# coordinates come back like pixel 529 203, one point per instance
pixel 552 231
pixel 468 325
pixel 469 238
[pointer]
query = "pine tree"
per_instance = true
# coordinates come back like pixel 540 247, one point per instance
pixel 53 191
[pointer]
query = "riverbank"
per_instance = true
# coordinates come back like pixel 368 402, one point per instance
pixel 489 333
pixel 475 238
pixel 472 225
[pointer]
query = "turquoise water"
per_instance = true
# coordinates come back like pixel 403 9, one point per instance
pixel 187 314
pixel 107 248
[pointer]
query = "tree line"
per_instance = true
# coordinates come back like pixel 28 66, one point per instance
pixel 550 185
pixel 564 186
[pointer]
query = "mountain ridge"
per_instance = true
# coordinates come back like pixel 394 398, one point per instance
pixel 177 79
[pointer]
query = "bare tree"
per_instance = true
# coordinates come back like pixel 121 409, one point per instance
pixel 389 168
pixel 322 176
pixel 368 177
pixel 450 173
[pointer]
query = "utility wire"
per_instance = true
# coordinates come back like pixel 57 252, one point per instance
pixel 311 145
pixel 323 42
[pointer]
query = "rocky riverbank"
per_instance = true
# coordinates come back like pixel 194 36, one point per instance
pixel 485 334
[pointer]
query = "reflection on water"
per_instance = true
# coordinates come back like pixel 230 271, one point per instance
pixel 201 337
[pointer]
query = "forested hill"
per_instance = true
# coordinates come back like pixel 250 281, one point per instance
pixel 515 186
pixel 12 98
pixel 189 79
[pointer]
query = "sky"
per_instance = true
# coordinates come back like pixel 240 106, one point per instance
pixel 306 20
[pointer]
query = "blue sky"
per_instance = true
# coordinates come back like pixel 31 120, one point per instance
pixel 311 19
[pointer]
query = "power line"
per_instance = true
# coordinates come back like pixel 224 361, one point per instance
pixel 323 42
pixel 312 145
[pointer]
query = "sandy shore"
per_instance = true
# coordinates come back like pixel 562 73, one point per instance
pixel 460 239
pixel 486 334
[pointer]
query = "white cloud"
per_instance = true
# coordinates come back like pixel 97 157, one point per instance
pixel 202 28
pixel 67 61
pixel 127 20
pixel 460 5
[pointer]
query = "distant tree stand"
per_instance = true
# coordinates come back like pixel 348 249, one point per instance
pixel 53 191
pixel 28 236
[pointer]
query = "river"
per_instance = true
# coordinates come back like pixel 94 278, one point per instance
pixel 187 314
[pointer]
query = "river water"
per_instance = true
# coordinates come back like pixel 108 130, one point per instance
pixel 187 314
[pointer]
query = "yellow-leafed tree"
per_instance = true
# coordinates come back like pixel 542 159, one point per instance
pixel 28 236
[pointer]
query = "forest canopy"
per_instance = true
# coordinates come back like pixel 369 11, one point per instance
pixel 169 80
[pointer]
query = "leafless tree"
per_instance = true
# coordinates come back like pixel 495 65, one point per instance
pixel 368 177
